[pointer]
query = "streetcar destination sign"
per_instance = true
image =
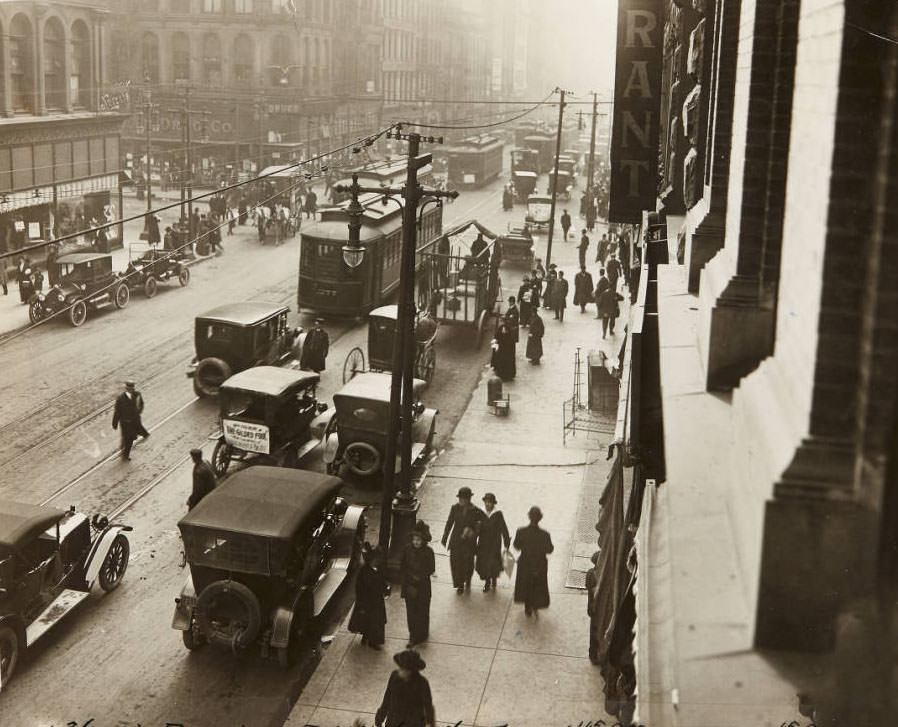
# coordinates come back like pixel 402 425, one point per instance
pixel 247 436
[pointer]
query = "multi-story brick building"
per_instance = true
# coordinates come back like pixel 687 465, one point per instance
pixel 59 142
pixel 760 393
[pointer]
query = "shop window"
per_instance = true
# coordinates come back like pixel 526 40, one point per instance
pixel 54 65
pixel 180 57
pixel 150 57
pixel 21 64
pixel 79 79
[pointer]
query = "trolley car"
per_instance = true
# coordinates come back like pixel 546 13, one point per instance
pixel 545 148
pixel 476 161
pixel 328 285
pixel 384 174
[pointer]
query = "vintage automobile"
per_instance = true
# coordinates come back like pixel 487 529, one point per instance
pixel 238 336
pixel 265 413
pixel 568 164
pixel 538 211
pixel 267 550
pixel 83 279
pixel 517 245
pixel 524 184
pixel 145 271
pixel 565 184
pixel 49 560
pixel 354 432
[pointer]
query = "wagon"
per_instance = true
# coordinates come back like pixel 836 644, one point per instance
pixel 539 210
pixel 265 413
pixel 381 343
pixel 459 281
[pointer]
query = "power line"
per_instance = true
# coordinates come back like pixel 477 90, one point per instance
pixel 483 126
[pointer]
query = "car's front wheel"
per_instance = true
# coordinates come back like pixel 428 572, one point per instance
pixel 221 458
pixel 115 564
pixel 122 296
pixel 35 311
pixel 150 287
pixel 78 313
pixel 184 276
pixel 9 653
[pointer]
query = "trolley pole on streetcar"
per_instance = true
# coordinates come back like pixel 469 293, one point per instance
pixel 554 178
pixel 398 510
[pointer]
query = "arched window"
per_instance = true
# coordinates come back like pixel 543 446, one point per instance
pixel 149 57
pixel 243 59
pixel 54 64
pixel 21 64
pixel 79 79
pixel 180 44
pixel 212 59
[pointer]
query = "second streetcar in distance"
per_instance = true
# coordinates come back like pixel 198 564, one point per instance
pixel 475 161
pixel 328 285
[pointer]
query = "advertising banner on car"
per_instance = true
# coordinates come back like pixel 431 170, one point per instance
pixel 247 436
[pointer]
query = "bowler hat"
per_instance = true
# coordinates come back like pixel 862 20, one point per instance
pixel 130 384
pixel 464 492
pixel 409 659
pixel 196 452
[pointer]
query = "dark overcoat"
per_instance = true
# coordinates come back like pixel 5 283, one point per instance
pixel 406 703
pixel 127 414
pixel 493 534
pixel 535 339
pixel 369 614
pixel 314 350
pixel 415 568
pixel 582 288
pixel 531 585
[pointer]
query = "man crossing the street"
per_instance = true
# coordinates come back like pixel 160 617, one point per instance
pixel 128 408
pixel 565 223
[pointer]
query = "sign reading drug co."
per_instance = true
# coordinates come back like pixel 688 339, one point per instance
pixel 637 109
pixel 247 436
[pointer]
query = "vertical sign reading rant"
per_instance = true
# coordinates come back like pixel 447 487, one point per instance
pixel 637 108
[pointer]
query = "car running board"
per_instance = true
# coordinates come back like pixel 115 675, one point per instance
pixel 307 447
pixel 417 451
pixel 50 616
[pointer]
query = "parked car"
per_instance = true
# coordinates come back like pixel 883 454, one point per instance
pixel 267 549
pixel 265 413
pixel 354 432
pixel 238 336
pixel 49 561
pixel 84 279
pixel 144 272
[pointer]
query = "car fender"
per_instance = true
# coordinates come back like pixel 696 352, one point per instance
pixel 318 426
pixel 99 551
pixel 184 606
pixel 331 447
pixel 344 539
pixel 282 624
pixel 421 426
pixel 18 625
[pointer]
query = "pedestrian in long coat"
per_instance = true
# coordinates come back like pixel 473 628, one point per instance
pixel 559 296
pixel 369 613
pixel 493 534
pixel 565 223
pixel 609 310
pixel 551 277
pixel 52 270
pixel 582 288
pixel 525 300
pixel 503 360
pixel 128 408
pixel 582 248
pixel 407 701
pixel 460 537
pixel 614 270
pixel 535 338
pixel 590 216
pixel 311 204
pixel 204 480
pixel 531 586
pixel 601 286
pixel 512 317
pixel 315 348
pixel 416 566
pixel 592 582
pixel 152 229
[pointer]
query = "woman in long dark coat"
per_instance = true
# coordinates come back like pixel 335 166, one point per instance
pixel 369 614
pixel 525 300
pixel 531 586
pixel 582 288
pixel 416 566
pixel 535 338
pixel 407 701
pixel 493 533
pixel 460 536
pixel 504 355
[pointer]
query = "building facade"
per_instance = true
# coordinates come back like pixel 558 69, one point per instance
pixel 762 406
pixel 59 144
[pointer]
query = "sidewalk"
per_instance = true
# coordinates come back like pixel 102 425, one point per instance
pixel 487 663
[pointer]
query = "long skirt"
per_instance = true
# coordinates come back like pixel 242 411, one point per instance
pixel 461 562
pixel 504 361
pixel 417 614
pixel 534 348
pixel 531 585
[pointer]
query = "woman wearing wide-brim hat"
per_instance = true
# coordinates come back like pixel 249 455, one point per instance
pixel 407 700
pixel 369 613
pixel 460 536
pixel 493 533
pixel 416 566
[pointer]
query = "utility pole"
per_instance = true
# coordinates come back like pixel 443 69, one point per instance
pixel 187 173
pixel 590 166
pixel 399 513
pixel 150 123
pixel 555 178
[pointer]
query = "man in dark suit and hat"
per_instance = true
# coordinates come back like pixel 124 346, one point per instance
pixel 416 566
pixel 128 408
pixel 407 701
pixel 315 348
pixel 204 480
pixel 460 536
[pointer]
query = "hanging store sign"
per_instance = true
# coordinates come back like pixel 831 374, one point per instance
pixel 637 108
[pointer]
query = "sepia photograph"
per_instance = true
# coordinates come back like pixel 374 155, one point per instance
pixel 449 363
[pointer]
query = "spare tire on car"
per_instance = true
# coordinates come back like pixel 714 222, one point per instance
pixel 228 612
pixel 210 374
